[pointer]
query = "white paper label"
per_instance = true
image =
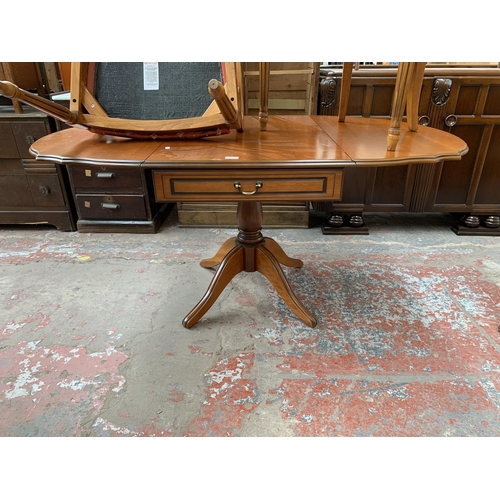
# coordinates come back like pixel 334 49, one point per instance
pixel 151 76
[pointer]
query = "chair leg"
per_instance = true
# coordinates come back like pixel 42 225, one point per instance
pixel 264 75
pixel 403 79
pixel 345 89
pixel 414 96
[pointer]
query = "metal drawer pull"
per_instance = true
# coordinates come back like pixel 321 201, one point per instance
pixel 105 175
pixel 111 206
pixel 450 120
pixel 258 185
pixel 424 120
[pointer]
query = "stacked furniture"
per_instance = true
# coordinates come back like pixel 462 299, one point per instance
pixel 462 101
pixel 31 192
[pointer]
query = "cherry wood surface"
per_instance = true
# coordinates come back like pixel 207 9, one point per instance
pixel 364 141
pixel 75 145
pixel 290 144
pixel 287 142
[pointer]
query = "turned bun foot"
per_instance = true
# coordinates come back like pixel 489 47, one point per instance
pixel 356 221
pixel 335 220
pixel 471 221
pixel 491 221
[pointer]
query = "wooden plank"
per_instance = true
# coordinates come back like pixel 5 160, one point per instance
pixel 283 72
pixel 295 215
pixel 279 104
pixel 52 76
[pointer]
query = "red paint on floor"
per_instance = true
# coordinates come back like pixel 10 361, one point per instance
pixel 407 344
pixel 340 407
pixel 55 387
pixel 230 397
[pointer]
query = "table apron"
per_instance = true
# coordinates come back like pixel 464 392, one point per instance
pixel 241 185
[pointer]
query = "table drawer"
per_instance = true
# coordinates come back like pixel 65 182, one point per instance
pixel 119 207
pixel 105 179
pixel 263 185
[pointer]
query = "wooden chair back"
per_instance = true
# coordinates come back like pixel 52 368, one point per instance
pixel 220 112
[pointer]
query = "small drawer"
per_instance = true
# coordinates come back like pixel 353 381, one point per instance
pixel 104 179
pixel 11 166
pixel 46 190
pixel 26 133
pixel 8 148
pixel 265 185
pixel 120 207
pixel 15 191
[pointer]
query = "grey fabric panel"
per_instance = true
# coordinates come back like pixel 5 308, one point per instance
pixel 183 89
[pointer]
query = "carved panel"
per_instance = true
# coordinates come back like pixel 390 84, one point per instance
pixel 327 95
pixel 436 117
pixel 441 91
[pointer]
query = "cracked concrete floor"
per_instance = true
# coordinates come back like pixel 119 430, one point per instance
pixel 408 341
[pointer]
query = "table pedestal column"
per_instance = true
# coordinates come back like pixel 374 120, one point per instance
pixel 250 252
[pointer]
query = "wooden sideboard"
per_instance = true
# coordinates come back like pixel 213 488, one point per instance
pixel 463 101
pixel 31 192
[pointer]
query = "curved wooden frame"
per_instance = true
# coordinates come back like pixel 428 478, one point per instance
pixel 225 112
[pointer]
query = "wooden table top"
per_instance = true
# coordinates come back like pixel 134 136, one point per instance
pixel 290 141
pixel 365 141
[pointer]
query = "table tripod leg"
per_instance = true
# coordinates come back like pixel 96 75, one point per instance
pixel 217 258
pixel 280 254
pixel 230 266
pixel 268 265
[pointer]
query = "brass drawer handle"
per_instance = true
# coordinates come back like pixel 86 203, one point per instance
pixel 105 175
pixel 258 185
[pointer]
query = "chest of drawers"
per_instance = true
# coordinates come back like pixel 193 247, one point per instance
pixel 31 192
pixel 112 198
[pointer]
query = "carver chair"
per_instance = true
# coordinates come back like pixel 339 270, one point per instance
pixel 111 99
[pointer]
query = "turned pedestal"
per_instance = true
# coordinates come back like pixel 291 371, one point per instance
pixel 249 252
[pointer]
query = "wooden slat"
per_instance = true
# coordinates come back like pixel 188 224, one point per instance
pixel 283 72
pixel 279 104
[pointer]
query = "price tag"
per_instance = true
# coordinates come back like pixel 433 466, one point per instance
pixel 151 76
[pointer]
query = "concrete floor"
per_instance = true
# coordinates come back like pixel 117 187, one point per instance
pixel 408 341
